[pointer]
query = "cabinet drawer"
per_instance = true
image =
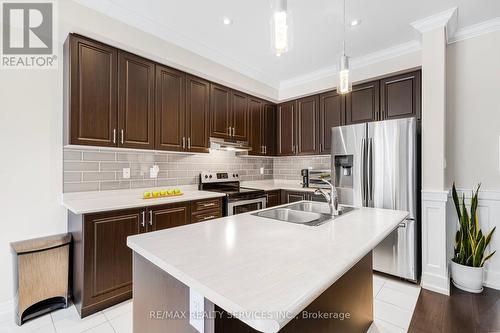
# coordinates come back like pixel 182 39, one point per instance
pixel 206 215
pixel 198 206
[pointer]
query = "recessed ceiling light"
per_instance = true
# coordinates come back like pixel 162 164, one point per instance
pixel 355 23
pixel 227 21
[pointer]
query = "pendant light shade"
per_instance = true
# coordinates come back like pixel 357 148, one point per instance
pixel 280 27
pixel 345 81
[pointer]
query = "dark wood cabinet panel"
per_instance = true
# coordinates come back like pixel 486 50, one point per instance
pixel 269 131
pixel 255 107
pixel 170 113
pixel 206 215
pixel 92 92
pixel 136 82
pixel 239 110
pixel 316 197
pixel 400 96
pixel 273 198
pixel 169 216
pixel 307 125
pixel 107 279
pixel 286 129
pixel 362 104
pixel 220 111
pixel 331 114
pixel 197 114
pixel 293 196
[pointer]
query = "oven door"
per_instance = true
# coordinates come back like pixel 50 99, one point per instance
pixel 245 206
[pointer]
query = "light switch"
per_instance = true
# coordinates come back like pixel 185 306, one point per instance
pixel 126 173
pixel 153 172
pixel 262 170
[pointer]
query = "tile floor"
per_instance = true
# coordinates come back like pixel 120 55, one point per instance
pixel 394 302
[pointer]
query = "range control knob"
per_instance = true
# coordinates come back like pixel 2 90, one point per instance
pixel 210 176
pixel 237 175
pixel 206 176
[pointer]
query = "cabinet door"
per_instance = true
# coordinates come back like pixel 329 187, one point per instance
pixel 92 93
pixel 331 114
pixel 256 114
pixel 286 129
pixel 269 125
pixel 292 196
pixel 108 260
pixel 362 104
pixel 170 111
pixel 273 198
pixel 400 96
pixel 317 197
pixel 239 122
pixel 220 111
pixel 307 125
pixel 136 77
pixel 197 114
pixel 168 216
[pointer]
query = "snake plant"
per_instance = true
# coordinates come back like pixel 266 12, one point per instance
pixel 470 242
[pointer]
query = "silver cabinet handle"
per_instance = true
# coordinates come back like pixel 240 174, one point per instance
pixel 320 147
pixel 143 223
pixel 189 142
pixel 208 217
pixel 183 142
pixel 150 217
pixel 122 139
pixel 209 204
pixel 265 150
pixel 114 135
pixel 234 131
pixel 229 130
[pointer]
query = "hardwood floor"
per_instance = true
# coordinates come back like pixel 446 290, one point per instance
pixel 461 312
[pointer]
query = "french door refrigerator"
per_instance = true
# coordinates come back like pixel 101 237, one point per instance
pixel 375 166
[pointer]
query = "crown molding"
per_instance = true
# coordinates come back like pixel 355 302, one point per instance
pixel 358 62
pixel 447 19
pixel 158 29
pixel 476 30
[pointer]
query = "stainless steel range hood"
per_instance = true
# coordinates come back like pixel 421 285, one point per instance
pixel 228 145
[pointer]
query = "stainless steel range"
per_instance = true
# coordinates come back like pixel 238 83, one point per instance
pixel 238 199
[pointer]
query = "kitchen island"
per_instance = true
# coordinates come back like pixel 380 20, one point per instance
pixel 256 274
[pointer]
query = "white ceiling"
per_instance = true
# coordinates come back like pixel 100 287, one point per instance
pixel 245 45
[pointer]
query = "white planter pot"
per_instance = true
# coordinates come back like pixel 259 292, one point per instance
pixel 467 278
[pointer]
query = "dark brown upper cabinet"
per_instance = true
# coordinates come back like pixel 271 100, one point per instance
pixel 197 114
pixel 170 113
pixel 285 117
pixel 256 115
pixel 307 126
pixel 331 114
pixel 136 78
pixel 362 103
pixel 92 92
pixel 239 116
pixel 220 111
pixel 269 132
pixel 400 96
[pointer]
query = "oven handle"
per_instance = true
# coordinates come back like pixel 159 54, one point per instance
pixel 232 204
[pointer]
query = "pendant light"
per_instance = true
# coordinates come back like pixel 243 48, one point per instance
pixel 280 27
pixel 345 83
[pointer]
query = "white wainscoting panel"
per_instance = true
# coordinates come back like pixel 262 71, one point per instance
pixel 489 217
pixel 435 274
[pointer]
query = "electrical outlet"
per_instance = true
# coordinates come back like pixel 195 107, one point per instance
pixel 262 170
pixel 126 173
pixel 153 172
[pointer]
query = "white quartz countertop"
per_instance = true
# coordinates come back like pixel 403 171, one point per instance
pixel 260 268
pixel 276 184
pixel 93 202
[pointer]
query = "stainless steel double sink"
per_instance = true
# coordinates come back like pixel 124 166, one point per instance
pixel 305 212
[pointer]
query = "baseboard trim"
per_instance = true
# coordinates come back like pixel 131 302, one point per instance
pixel 436 283
pixel 492 279
pixel 7 306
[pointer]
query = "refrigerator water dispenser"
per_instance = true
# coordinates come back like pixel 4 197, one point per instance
pixel 343 170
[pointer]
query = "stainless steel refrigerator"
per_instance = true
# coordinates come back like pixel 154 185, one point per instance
pixel 375 166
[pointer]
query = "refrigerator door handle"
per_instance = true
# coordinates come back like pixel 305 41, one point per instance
pixel 363 171
pixel 369 170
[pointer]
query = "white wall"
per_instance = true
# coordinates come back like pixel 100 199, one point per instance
pixel 473 134
pixel 473 112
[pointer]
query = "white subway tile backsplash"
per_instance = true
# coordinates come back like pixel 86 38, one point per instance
pixel 99 170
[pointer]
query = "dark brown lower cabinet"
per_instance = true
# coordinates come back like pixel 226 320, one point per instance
pixel 101 267
pixel 293 196
pixel 273 198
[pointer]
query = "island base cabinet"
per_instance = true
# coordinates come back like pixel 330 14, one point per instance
pixel 161 304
